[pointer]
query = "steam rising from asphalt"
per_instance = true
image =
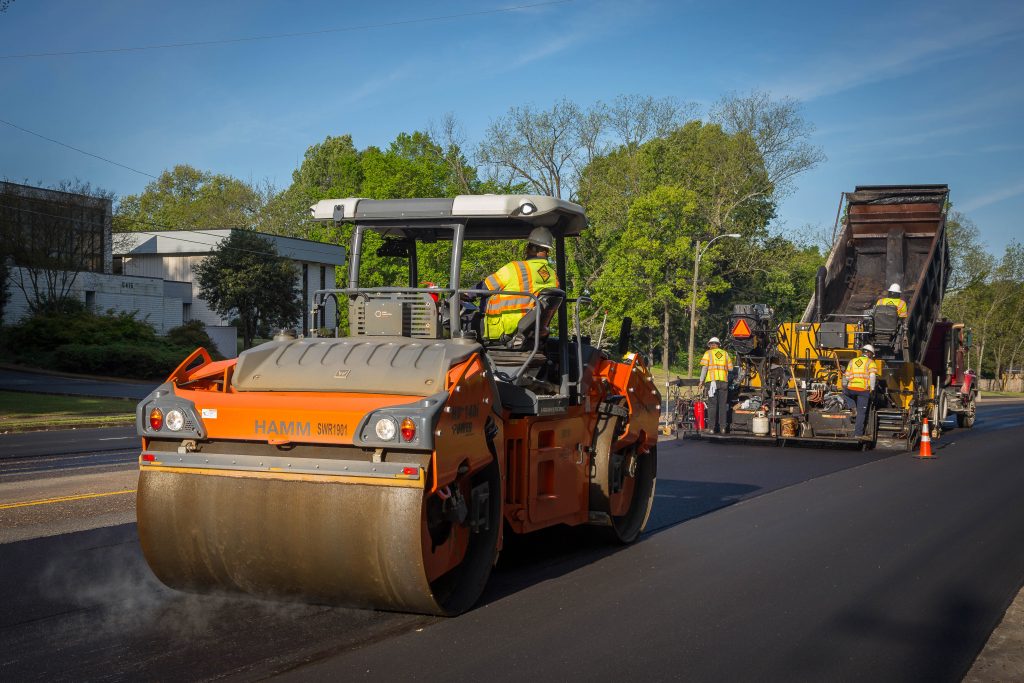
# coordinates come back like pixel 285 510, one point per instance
pixel 109 590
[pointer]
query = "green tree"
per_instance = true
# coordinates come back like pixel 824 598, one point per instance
pixel 245 277
pixel 646 277
pixel 186 198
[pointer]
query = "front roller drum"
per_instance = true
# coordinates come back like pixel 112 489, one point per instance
pixel 622 486
pixel 311 539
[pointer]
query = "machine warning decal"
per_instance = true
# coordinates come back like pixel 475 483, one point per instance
pixel 209 413
pixel 280 428
pixel 741 330
pixel 331 429
pixel 462 428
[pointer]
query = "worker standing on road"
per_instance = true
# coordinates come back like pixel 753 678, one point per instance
pixel 894 298
pixel 714 374
pixel 858 383
pixel 504 311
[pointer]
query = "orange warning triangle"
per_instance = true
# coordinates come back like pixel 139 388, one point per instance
pixel 741 330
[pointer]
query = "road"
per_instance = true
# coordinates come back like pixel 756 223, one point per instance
pixel 47 383
pixel 759 563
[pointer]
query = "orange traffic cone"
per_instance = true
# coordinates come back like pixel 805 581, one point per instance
pixel 925 452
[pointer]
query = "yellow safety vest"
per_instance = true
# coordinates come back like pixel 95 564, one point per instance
pixel 504 311
pixel 858 373
pixel 718 363
pixel 900 304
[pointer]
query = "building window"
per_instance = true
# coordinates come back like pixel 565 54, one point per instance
pixel 186 313
pixel 90 300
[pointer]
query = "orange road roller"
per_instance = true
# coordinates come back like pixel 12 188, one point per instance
pixel 382 469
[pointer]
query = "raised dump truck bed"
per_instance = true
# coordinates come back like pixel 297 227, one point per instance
pixel 890 234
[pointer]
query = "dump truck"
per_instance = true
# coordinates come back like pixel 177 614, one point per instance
pixel 787 383
pixel 382 467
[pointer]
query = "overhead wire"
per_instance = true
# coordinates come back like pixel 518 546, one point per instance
pixel 298 34
pixel 81 151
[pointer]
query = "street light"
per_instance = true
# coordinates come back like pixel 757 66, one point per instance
pixel 693 300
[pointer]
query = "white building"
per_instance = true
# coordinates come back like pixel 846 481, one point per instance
pixel 149 274
pixel 172 256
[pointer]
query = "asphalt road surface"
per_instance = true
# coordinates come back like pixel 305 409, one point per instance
pixel 45 383
pixel 759 564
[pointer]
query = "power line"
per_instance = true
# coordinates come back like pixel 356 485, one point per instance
pixel 174 229
pixel 81 151
pixel 276 36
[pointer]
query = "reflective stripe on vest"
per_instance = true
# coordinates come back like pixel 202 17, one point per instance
pixel 718 363
pixel 504 311
pixel 858 373
pixel 900 304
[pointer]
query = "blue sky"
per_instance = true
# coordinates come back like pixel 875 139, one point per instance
pixel 899 92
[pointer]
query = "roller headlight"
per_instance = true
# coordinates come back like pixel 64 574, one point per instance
pixel 174 420
pixel 386 429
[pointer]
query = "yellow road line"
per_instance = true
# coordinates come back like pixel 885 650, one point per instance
pixel 62 499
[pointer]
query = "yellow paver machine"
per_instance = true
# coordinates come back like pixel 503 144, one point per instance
pixel 787 386
pixel 383 468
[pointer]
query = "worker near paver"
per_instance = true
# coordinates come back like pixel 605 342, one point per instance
pixel 858 383
pixel 503 312
pixel 715 365
pixel 894 298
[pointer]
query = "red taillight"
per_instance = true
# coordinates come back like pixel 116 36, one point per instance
pixel 410 471
pixel 148 457
pixel 156 419
pixel 408 429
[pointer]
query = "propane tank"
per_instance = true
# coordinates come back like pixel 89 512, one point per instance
pixel 699 411
pixel 760 425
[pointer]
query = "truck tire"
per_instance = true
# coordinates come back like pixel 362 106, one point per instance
pixel 965 419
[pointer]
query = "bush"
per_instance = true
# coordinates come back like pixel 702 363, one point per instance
pixel 144 361
pixel 192 335
pixel 113 344
pixel 49 332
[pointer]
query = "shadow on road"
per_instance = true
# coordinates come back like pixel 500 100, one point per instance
pixel 554 552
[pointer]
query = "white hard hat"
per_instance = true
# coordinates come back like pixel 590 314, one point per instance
pixel 542 237
pixel 894 288
pixel 868 347
pixel 714 340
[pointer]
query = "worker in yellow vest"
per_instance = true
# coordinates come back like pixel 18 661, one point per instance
pixel 715 365
pixel 894 298
pixel 503 312
pixel 858 383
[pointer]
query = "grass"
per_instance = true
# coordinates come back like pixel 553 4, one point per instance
pixel 22 411
pixel 1002 394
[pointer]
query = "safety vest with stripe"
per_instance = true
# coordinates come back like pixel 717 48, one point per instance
pixel 900 304
pixel 718 363
pixel 858 373
pixel 504 311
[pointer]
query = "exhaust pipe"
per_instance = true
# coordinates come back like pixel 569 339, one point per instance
pixel 819 292
pixel 624 333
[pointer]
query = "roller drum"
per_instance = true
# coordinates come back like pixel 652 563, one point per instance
pixel 338 543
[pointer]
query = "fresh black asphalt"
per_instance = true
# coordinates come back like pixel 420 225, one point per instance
pixel 759 564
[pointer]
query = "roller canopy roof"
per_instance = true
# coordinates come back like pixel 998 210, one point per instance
pixel 488 216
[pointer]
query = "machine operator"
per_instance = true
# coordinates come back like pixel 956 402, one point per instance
pixel 858 383
pixel 503 312
pixel 714 374
pixel 894 298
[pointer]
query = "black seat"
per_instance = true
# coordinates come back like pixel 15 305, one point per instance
pixel 522 340
pixel 886 327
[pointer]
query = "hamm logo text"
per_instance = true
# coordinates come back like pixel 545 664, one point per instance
pixel 280 427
